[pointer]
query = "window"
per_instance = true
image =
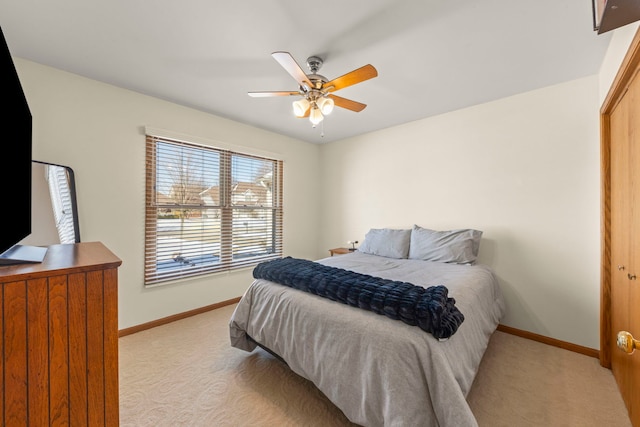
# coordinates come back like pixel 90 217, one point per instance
pixel 208 210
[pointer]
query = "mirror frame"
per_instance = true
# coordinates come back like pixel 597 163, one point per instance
pixel 72 191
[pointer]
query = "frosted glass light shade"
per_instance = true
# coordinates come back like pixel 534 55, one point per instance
pixel 300 107
pixel 315 116
pixel 326 105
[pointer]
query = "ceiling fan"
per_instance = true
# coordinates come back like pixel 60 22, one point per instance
pixel 315 90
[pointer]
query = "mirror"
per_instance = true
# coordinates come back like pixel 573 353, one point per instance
pixel 54 210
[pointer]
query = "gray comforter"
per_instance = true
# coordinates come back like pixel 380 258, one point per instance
pixel 378 371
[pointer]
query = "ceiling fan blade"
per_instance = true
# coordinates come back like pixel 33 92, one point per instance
pixel 356 76
pixel 265 94
pixel 291 66
pixel 347 103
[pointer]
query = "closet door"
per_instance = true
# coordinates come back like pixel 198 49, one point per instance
pixel 632 97
pixel 625 241
pixel 620 232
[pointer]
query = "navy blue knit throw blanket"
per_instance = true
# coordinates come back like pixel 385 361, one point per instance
pixel 430 308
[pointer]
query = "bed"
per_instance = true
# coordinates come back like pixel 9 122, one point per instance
pixel 380 371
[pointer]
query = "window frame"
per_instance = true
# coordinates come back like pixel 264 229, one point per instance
pixel 227 259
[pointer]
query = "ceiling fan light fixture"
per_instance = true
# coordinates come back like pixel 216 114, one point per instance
pixel 315 116
pixel 316 91
pixel 300 107
pixel 326 105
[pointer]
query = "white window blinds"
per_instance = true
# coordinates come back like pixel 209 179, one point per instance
pixel 208 210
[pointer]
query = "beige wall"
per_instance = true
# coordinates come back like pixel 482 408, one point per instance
pixel 98 130
pixel 524 170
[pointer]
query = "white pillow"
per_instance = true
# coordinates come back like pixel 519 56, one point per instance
pixel 387 242
pixel 454 246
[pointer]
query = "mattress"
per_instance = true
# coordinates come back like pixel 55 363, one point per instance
pixel 378 371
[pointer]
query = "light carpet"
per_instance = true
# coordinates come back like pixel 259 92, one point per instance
pixel 186 373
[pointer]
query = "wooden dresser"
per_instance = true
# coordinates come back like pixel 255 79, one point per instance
pixel 59 339
pixel 340 251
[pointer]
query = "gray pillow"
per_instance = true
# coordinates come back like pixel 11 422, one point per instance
pixel 454 246
pixel 387 242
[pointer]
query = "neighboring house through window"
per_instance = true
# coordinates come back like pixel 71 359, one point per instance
pixel 209 210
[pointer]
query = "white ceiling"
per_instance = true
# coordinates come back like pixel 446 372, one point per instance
pixel 432 56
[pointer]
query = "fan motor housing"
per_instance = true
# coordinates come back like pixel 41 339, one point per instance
pixel 317 80
pixel 314 63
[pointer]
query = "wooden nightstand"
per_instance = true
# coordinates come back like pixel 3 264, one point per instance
pixel 340 251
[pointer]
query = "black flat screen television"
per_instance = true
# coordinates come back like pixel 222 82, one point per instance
pixel 15 166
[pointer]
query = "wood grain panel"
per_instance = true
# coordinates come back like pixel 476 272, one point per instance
pixel 620 147
pixel 112 409
pixel 95 341
pixel 66 259
pixel 616 92
pixel 59 339
pixel 78 349
pixel 15 354
pixel 620 229
pixel 38 338
pixel 605 242
pixel 58 351
pixel 633 325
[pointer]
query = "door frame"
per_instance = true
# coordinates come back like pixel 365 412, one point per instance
pixel 630 65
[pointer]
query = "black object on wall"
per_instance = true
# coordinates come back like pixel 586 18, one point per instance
pixel 611 14
pixel 15 166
